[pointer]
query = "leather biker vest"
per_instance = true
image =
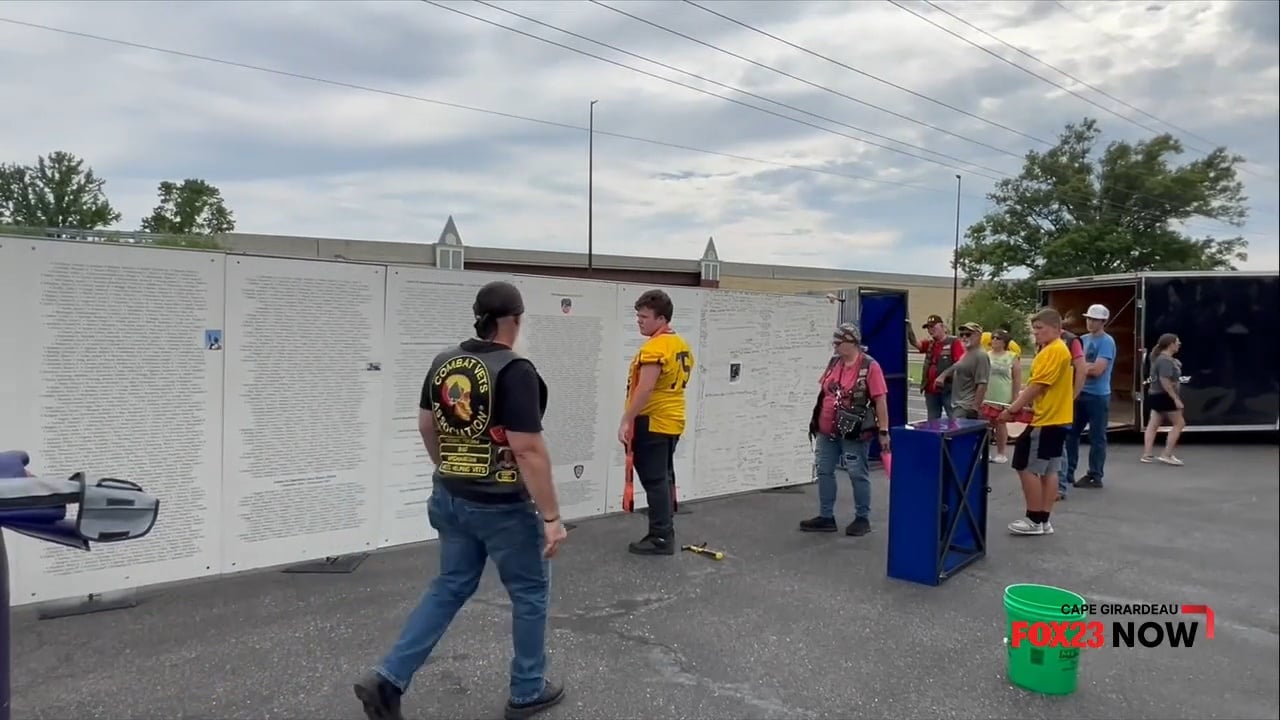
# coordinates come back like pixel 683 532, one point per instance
pixel 854 415
pixel 473 450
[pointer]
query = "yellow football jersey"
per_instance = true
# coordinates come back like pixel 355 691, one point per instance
pixel 666 405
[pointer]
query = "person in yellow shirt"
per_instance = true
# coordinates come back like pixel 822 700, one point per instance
pixel 1011 347
pixel 1037 455
pixel 654 417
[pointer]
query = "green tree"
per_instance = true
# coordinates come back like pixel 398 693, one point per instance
pixel 194 209
pixel 995 305
pixel 58 191
pixel 1072 211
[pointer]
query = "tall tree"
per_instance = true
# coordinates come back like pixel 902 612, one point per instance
pixel 194 208
pixel 1073 212
pixel 59 191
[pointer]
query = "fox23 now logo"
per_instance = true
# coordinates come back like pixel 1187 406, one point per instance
pixel 1126 633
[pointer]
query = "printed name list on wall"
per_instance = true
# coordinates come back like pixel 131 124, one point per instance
pixel 302 430
pixel 271 404
pixel 106 370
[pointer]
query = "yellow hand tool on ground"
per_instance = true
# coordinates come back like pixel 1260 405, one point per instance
pixel 702 550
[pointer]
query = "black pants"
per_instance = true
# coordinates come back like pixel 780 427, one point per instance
pixel 653 456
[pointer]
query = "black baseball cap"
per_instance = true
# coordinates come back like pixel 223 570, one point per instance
pixel 498 299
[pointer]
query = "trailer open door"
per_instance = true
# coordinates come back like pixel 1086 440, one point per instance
pixel 882 316
pixel 1123 297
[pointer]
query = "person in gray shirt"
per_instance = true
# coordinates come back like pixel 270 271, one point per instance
pixel 1164 397
pixel 970 376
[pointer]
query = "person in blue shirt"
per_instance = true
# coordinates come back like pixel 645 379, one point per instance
pixel 1093 405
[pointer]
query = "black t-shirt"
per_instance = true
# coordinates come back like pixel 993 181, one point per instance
pixel 517 386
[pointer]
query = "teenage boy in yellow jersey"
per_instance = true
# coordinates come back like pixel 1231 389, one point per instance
pixel 1038 453
pixel 654 416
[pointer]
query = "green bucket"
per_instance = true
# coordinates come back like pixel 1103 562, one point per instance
pixel 1047 670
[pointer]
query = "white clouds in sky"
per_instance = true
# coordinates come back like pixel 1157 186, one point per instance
pixel 306 158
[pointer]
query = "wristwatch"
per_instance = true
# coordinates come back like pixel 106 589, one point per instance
pixel 884 433
pixel 551 520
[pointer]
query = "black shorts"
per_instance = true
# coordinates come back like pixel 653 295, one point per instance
pixel 653 455
pixel 1039 449
pixel 1161 403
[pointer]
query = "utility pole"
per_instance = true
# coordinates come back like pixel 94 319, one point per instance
pixel 591 162
pixel 955 263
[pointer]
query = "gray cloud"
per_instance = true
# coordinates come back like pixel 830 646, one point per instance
pixel 300 157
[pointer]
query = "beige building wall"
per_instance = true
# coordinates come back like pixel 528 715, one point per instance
pixel 922 301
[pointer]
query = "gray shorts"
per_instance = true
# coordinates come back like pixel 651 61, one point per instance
pixel 1039 450
pixel 962 413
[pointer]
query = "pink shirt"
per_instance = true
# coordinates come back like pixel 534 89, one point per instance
pixel 1077 349
pixel 846 376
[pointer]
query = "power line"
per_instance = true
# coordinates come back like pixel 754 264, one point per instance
pixel 821 87
pixel 514 116
pixel 1243 168
pixel 784 73
pixel 460 106
pixel 1032 73
pixel 739 102
pixel 740 90
pixel 1101 92
pixel 865 74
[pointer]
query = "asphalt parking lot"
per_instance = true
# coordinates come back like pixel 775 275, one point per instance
pixel 790 625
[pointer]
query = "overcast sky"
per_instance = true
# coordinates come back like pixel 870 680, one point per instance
pixel 299 157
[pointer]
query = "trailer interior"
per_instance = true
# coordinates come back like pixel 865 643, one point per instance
pixel 1121 298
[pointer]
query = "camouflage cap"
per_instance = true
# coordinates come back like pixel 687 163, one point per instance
pixel 848 332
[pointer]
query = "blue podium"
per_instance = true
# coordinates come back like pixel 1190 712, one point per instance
pixel 937 498
pixel 110 511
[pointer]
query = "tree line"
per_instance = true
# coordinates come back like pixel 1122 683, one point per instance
pixel 1080 210
pixel 59 191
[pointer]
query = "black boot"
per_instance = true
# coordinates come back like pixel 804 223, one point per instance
pixel 380 698
pixel 653 545
pixel 551 696
pixel 818 524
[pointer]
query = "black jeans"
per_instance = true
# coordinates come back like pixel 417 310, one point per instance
pixel 653 456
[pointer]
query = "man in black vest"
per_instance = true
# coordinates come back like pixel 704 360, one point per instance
pixel 481 404
pixel 941 351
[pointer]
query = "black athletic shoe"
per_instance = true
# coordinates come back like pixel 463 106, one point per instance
pixel 652 545
pixel 1088 481
pixel 380 698
pixel 551 696
pixel 858 528
pixel 818 524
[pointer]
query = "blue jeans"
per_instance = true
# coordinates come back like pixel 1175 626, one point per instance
pixel 937 404
pixel 470 532
pixel 1094 411
pixel 827 454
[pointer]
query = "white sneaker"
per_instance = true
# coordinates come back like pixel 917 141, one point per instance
pixel 1048 528
pixel 1024 526
pixel 1001 459
pixel 1170 460
pixel 1146 459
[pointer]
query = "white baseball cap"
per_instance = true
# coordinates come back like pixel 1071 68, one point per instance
pixel 1098 312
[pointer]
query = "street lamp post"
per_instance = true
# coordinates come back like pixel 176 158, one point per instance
pixel 955 263
pixel 591 161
